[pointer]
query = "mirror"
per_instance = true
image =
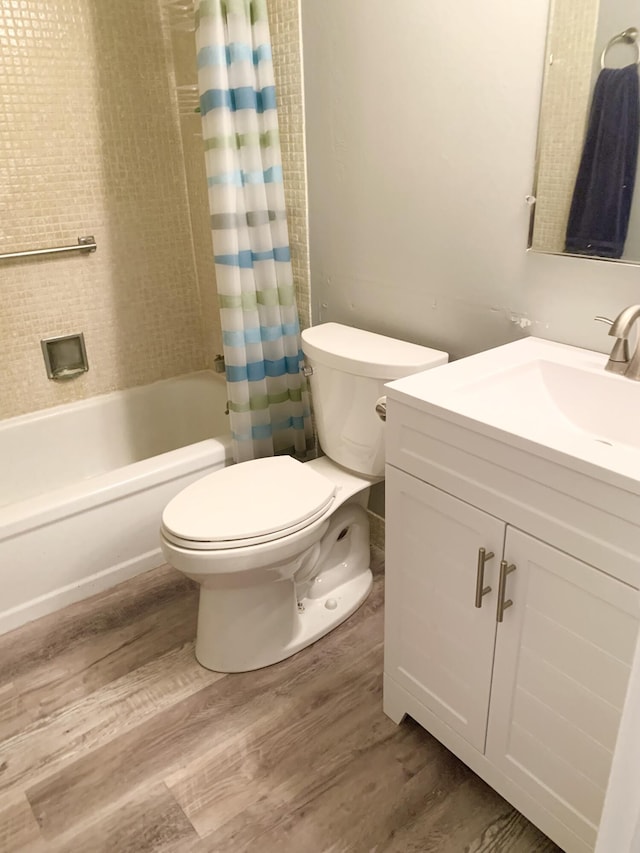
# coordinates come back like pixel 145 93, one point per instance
pixel 586 163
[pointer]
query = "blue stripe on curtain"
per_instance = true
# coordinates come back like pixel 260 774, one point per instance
pixel 256 370
pixel 272 175
pixel 289 423
pixel 246 259
pixel 234 52
pixel 242 98
pixel 261 333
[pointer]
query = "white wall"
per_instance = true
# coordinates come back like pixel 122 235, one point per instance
pixel 421 128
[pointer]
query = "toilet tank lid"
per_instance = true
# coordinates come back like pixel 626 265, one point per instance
pixel 367 353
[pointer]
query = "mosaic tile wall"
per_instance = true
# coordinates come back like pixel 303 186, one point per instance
pixel 567 92
pixel 90 144
pixel 186 75
pixel 284 21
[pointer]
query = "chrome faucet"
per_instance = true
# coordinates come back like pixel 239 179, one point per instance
pixel 619 361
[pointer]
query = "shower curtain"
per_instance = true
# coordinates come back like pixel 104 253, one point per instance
pixel 268 398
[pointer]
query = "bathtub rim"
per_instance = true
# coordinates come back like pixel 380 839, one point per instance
pixel 114 560
pixel 38 511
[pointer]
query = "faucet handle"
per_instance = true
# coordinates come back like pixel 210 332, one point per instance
pixel 604 320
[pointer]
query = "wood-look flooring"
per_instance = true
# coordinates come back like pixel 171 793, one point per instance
pixel 113 738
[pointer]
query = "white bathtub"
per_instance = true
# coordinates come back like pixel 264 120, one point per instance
pixel 82 488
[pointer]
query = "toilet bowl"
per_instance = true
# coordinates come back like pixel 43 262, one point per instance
pixel 280 548
pixel 264 597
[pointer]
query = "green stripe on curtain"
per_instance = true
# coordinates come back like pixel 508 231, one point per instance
pixel 259 11
pixel 258 402
pixel 256 9
pixel 270 298
pixel 243 140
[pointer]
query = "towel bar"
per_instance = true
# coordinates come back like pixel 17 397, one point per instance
pixel 628 36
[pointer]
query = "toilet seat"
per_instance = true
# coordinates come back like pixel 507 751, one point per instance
pixel 247 504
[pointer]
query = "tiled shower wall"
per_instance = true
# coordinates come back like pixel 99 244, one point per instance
pixel 186 75
pixel 284 21
pixel 563 115
pixel 91 143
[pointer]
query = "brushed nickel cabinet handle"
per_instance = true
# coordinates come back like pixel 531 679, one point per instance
pixel 505 569
pixel 481 590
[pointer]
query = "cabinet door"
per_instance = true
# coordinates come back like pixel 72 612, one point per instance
pixel 438 645
pixel 562 662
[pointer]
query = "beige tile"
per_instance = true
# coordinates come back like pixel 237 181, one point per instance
pixel 563 116
pixel 377 527
pixel 91 145
pixel 284 23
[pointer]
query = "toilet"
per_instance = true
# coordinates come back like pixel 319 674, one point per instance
pixel 279 547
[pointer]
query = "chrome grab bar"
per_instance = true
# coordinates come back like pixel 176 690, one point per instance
pixel 85 244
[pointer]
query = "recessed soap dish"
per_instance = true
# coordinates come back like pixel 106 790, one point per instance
pixel 65 357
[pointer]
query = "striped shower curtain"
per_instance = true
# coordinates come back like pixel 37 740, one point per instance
pixel 268 399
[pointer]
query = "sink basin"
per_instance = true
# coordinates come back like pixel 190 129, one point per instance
pixel 556 398
pixel 553 396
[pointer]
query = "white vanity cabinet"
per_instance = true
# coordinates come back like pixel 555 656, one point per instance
pixel 529 698
pixel 438 646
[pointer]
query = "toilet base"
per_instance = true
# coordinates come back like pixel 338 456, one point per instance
pixel 318 616
pixel 314 619
pixel 242 628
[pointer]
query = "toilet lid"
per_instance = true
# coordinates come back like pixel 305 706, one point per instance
pixel 248 503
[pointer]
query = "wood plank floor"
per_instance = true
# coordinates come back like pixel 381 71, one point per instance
pixel 113 738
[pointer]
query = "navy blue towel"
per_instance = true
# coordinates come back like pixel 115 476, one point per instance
pixel 599 216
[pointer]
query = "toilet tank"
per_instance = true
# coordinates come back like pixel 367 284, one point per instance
pixel 350 367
